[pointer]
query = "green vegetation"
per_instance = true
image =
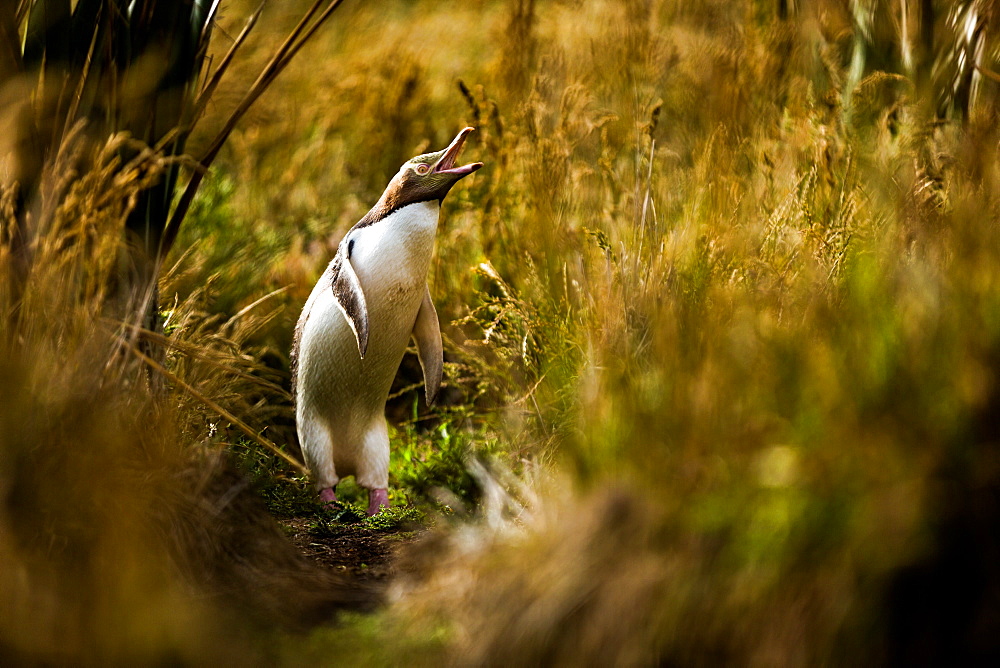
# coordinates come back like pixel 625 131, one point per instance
pixel 722 333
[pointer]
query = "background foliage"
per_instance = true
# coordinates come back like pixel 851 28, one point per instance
pixel 722 321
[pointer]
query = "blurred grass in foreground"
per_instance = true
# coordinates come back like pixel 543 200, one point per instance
pixel 739 341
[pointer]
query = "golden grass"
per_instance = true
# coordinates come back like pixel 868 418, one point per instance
pixel 741 344
pixel 126 535
pixel 747 327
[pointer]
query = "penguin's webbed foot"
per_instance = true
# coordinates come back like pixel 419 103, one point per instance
pixel 327 496
pixel 377 500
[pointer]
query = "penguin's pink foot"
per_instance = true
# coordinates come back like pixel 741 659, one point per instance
pixel 377 500
pixel 327 496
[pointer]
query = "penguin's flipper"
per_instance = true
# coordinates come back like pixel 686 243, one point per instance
pixel 427 334
pixel 351 300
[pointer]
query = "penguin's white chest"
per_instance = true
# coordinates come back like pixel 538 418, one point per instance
pixel 391 259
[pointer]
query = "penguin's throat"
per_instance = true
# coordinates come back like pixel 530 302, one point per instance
pixel 400 245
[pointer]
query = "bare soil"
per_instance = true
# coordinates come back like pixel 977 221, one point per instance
pixel 364 554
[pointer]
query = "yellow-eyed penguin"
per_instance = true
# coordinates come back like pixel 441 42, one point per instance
pixel 353 331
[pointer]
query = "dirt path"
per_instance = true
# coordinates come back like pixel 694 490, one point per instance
pixel 363 553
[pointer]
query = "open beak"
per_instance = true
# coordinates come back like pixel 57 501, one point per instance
pixel 446 165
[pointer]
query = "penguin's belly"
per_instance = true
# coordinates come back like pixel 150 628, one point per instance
pixel 336 385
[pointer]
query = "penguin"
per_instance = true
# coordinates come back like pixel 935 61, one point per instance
pixel 355 326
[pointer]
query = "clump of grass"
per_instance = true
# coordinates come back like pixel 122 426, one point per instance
pixel 329 522
pixel 433 468
pixel 120 517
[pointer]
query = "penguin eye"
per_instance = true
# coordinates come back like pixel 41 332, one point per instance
pixel 422 169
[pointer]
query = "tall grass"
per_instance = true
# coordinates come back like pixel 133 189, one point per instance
pixel 126 533
pixel 725 318
pixel 739 301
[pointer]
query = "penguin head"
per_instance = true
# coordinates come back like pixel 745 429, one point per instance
pixel 430 176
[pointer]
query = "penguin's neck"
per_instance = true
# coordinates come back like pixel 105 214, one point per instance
pixel 400 244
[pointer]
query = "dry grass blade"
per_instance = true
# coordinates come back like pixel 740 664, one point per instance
pixel 239 424
pixel 260 300
pixel 74 108
pixel 279 60
pixel 275 65
pixel 988 73
pixel 197 352
pixel 206 94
